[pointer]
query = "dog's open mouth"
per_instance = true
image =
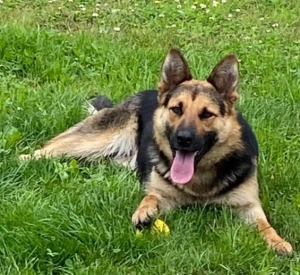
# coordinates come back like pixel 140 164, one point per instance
pixel 183 166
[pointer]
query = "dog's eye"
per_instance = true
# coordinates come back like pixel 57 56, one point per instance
pixel 177 110
pixel 206 114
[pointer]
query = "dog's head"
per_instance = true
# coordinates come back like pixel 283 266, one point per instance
pixel 193 115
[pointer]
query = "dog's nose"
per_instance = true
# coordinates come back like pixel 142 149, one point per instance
pixel 184 138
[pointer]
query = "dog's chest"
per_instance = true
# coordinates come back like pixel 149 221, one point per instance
pixel 202 186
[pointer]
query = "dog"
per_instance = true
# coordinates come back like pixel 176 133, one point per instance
pixel 186 140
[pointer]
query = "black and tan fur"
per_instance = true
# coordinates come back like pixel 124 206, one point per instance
pixel 183 117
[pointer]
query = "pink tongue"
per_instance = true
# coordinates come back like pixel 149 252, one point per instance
pixel 182 169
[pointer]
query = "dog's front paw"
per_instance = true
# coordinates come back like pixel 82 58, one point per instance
pixel 281 246
pixel 144 215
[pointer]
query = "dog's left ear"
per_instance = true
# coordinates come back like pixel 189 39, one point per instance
pixel 175 70
pixel 225 77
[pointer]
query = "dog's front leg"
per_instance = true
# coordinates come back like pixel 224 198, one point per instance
pixel 161 196
pixel 254 214
pixel 246 202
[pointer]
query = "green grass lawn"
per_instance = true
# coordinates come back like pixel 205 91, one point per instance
pixel 64 217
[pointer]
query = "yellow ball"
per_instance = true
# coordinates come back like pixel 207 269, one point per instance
pixel 158 226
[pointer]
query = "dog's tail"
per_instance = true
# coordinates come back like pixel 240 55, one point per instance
pixel 97 103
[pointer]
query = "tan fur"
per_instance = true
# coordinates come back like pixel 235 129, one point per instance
pixel 201 188
pixel 113 133
pixel 228 127
pixel 246 202
pixel 84 140
pixel 244 199
pixel 148 208
pixel 191 110
pixel 229 140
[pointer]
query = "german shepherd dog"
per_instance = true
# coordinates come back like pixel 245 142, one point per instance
pixel 187 141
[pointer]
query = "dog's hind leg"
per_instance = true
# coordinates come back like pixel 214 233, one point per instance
pixel 111 132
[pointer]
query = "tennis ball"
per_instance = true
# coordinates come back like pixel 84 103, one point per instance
pixel 158 226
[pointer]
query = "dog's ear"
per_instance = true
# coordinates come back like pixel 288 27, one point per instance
pixel 175 70
pixel 225 77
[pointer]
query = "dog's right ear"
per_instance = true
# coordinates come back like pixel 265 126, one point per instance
pixel 175 70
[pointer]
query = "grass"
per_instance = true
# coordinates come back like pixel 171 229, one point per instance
pixel 64 217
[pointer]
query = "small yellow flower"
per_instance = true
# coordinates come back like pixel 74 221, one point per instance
pixel 157 2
